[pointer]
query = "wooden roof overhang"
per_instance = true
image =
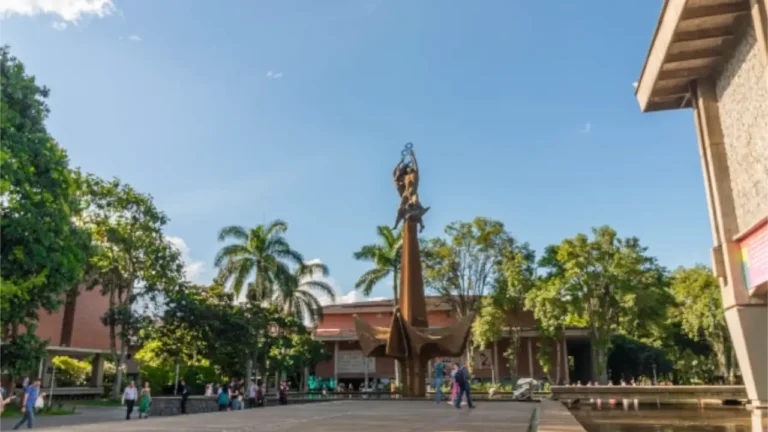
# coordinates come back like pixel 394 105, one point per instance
pixel 691 40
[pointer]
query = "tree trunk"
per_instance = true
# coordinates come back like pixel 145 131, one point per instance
pixel 248 373
pixel 558 363
pixel 394 286
pixel 601 369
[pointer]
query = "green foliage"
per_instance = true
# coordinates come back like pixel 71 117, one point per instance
pixel 135 261
pixel 262 251
pixel 699 310
pixel 608 281
pixel 71 372
pixel 295 297
pixel 385 257
pixel 42 252
pixel 464 267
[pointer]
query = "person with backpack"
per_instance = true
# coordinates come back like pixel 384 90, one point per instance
pixel 462 379
pixel 223 398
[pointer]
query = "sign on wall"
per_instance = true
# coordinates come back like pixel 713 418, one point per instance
pixel 353 362
pixel 754 257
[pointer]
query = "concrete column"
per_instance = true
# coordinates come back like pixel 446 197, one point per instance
pixel 495 364
pixel 336 364
pixel 530 358
pixel 567 364
pixel 306 379
pixel 759 18
pixel 745 317
pixel 97 371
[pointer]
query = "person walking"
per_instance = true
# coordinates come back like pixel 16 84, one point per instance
pixel 184 389
pixel 145 401
pixel 462 379
pixel 130 395
pixel 439 373
pixel 31 393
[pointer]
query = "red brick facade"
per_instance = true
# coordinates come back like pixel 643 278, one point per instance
pixel 337 328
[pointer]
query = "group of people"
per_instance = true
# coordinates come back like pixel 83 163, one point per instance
pixel 235 396
pixel 460 383
pixel 132 396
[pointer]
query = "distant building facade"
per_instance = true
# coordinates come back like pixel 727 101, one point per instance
pixel 347 364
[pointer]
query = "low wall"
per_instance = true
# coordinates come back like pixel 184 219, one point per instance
pixel 650 393
pixel 164 406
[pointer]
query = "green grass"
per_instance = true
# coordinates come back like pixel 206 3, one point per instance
pixel 14 411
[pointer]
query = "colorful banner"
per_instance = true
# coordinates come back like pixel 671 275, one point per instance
pixel 754 257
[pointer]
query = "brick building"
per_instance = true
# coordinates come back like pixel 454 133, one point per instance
pixel 347 364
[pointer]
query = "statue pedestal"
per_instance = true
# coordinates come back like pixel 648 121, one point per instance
pixel 414 377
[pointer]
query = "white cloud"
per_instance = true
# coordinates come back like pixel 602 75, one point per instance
pixel 134 38
pixel 194 269
pixel 68 10
pixel 354 296
pixel 59 25
pixel 634 85
pixel 274 75
pixel 587 128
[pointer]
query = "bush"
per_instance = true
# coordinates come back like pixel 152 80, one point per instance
pixel 71 372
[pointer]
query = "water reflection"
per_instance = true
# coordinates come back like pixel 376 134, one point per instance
pixel 668 419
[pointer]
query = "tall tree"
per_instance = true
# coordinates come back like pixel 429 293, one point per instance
pixel 464 267
pixel 42 253
pixel 262 251
pixel 505 301
pixel 385 257
pixel 606 281
pixel 547 301
pixel 136 263
pixel 295 297
pixel 699 310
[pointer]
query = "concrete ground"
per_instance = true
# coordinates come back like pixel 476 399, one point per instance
pixel 85 415
pixel 340 416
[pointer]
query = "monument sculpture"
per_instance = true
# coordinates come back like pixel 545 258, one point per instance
pixel 409 339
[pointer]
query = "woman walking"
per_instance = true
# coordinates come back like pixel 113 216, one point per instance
pixel 454 385
pixel 145 400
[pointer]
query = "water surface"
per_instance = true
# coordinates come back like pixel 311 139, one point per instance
pixel 668 419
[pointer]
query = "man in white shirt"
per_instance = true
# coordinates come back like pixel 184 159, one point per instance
pixel 129 399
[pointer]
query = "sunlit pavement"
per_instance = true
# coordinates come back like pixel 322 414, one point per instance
pixel 341 416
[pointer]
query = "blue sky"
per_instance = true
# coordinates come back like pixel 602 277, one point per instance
pixel 240 112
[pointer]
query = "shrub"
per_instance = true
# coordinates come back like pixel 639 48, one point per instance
pixel 71 372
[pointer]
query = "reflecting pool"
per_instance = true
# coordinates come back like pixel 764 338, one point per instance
pixel 671 419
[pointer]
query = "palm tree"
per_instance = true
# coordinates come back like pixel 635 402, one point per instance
pixel 261 250
pixel 385 257
pixel 297 299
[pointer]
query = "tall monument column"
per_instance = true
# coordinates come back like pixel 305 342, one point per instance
pixel 409 338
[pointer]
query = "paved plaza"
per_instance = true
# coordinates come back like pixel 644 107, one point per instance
pixel 339 416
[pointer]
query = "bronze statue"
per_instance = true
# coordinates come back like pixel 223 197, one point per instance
pixel 409 338
pixel 406 178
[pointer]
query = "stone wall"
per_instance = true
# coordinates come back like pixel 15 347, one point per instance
pixel 169 406
pixel 163 406
pixel 742 93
